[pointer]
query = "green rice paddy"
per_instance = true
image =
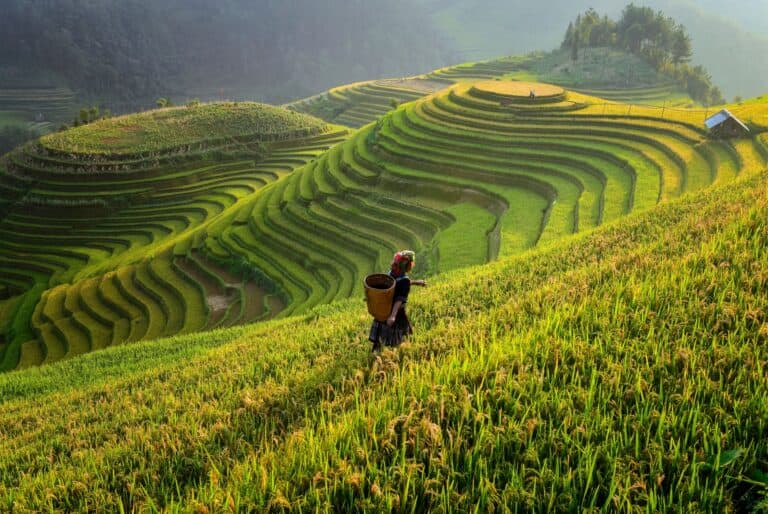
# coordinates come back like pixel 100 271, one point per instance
pixel 173 234
pixel 104 248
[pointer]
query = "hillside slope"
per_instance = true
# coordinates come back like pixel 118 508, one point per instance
pixel 126 55
pixel 603 72
pixel 724 42
pixel 618 370
pixel 172 234
pixel 98 224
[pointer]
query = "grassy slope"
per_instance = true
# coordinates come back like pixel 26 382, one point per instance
pixel 600 68
pixel 602 72
pixel 164 128
pixel 619 369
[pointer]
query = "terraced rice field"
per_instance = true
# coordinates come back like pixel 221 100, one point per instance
pixel 478 70
pixel 101 228
pixel 657 95
pixel 179 234
pixel 355 105
pixel 23 103
pixel 469 174
pixel 53 102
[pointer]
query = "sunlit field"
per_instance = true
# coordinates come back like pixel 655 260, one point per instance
pixel 222 231
pixel 622 369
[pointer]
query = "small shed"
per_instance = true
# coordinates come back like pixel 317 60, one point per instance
pixel 724 124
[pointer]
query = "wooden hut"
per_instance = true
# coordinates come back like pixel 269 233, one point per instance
pixel 724 125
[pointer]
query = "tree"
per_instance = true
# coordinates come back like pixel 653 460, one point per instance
pixel 603 34
pixel 681 46
pixel 656 38
pixel 568 39
pixel 633 38
pixel 575 46
pixel 716 96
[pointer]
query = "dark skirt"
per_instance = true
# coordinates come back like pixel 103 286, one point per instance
pixel 383 335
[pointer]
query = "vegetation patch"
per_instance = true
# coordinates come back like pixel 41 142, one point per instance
pixel 605 372
pixel 146 246
pixel 171 127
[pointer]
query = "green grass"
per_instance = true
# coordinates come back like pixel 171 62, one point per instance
pixel 172 127
pixel 619 370
pixel 466 241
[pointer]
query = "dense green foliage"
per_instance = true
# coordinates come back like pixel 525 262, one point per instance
pixel 622 370
pixel 127 53
pixel 657 38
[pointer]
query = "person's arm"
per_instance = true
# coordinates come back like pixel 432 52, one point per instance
pixel 395 307
pixel 422 283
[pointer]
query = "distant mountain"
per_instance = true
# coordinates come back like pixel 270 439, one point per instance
pixel 752 15
pixel 132 51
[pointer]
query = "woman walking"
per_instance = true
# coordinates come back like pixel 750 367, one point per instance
pixel 397 327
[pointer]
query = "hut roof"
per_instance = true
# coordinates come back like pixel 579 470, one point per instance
pixel 720 117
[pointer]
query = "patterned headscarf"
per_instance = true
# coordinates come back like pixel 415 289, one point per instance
pixel 402 260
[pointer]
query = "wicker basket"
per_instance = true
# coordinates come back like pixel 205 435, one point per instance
pixel 379 292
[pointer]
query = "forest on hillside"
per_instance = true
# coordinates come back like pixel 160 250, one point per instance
pixel 658 39
pixel 132 51
pixel 728 38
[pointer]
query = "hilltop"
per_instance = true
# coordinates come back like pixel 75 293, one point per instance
pixel 617 370
pixel 479 29
pixel 164 129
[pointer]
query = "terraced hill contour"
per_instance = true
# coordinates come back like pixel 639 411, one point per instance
pixel 478 171
pixel 97 226
pixel 595 74
pixel 158 240
pixel 22 103
pixel 622 370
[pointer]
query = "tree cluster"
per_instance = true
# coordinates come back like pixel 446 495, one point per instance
pixel 649 34
pixel 88 115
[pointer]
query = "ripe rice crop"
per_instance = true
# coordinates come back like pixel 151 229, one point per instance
pixel 619 370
